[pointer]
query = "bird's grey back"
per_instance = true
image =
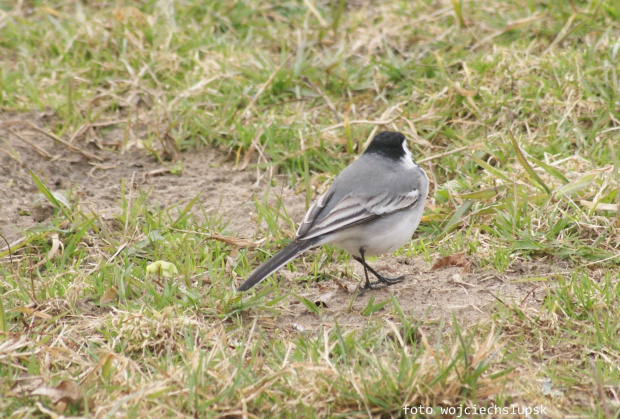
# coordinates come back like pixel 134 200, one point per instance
pixel 371 175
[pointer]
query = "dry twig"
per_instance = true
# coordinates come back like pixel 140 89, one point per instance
pixel 65 143
pixel 38 149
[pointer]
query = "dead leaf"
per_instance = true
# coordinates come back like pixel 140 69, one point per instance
pixel 109 296
pixel 457 259
pixel 32 312
pixel 24 385
pixel 170 146
pixel 323 287
pixel 466 269
pixel 129 13
pixel 88 306
pixel 323 299
pixel 346 286
pixel 66 393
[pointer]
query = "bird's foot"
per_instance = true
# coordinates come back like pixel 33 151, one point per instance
pixel 381 282
pixel 389 281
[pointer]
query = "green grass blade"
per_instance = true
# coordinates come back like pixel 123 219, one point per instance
pixel 313 308
pixel 484 193
pixel 48 194
pixel 3 326
pixel 578 184
pixel 550 169
pixel 187 208
pixel 490 169
pixel 526 165
pixel 455 220
pixel 371 307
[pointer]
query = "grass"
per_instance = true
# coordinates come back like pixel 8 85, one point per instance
pixel 527 91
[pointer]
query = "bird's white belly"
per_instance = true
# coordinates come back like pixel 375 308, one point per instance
pixel 381 236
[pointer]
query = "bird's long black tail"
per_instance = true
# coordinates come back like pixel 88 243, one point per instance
pixel 284 256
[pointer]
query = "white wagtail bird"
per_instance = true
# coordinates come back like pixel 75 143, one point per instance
pixel 373 207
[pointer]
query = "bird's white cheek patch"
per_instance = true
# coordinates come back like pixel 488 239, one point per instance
pixel 407 158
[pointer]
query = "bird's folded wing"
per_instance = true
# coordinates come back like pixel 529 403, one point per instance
pixel 353 210
pixel 313 211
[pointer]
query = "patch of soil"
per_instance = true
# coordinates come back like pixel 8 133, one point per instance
pixel 427 294
pixel 431 296
pixel 225 191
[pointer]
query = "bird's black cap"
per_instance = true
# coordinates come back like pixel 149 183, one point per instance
pixel 388 144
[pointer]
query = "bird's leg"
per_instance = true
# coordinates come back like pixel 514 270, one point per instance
pixel 368 284
pixel 385 281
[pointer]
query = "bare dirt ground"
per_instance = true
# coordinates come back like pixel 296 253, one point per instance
pixel 430 295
